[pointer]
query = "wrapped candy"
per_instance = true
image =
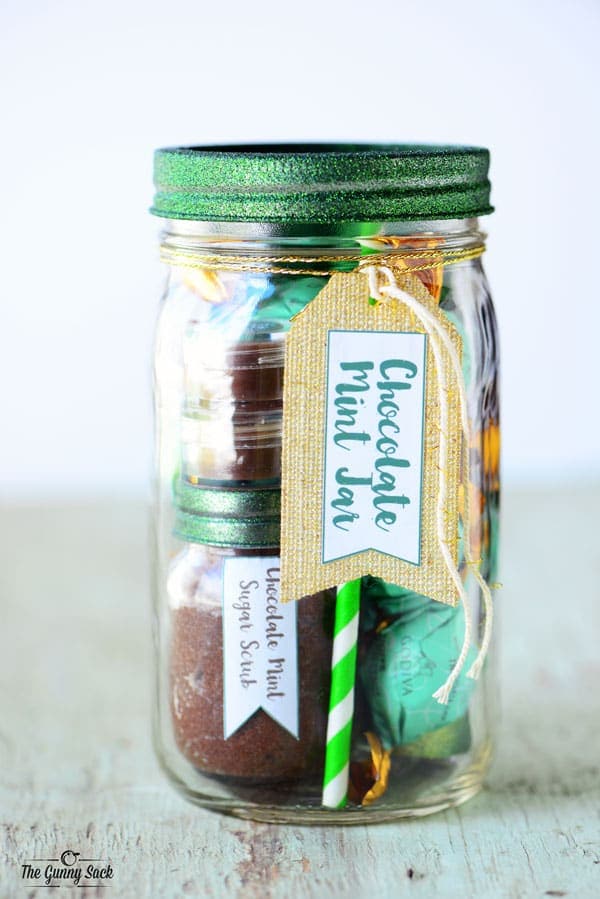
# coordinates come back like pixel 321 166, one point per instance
pixel 409 645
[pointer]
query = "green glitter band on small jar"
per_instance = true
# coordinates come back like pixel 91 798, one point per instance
pixel 233 516
pixel 231 532
pixel 232 502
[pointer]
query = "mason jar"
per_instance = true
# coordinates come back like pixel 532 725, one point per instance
pixel 327 484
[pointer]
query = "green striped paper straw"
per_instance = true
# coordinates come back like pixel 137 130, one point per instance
pixel 341 697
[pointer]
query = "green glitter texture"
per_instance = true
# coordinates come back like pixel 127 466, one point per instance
pixel 241 532
pixel 321 183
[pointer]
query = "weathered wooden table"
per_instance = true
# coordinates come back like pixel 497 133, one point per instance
pixel 78 772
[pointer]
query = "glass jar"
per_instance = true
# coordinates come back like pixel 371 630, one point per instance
pixel 246 717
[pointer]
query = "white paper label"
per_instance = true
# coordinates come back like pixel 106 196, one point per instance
pixel 374 444
pixel 260 665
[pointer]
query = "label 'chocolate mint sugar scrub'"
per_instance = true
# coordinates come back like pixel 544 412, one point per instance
pixel 327 484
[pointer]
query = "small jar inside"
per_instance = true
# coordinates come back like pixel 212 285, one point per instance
pixel 245 714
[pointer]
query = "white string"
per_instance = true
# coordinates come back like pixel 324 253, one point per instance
pixel 437 332
pixel 473 564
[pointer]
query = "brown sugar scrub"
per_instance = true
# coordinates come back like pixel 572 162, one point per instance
pixel 261 750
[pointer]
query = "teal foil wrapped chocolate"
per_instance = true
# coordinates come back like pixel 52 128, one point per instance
pixel 289 296
pixel 409 645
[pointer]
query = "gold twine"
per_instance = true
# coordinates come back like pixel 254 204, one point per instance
pixel 280 265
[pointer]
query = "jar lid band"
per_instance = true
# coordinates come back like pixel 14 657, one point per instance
pixel 232 532
pixel 228 502
pixel 227 516
pixel 321 183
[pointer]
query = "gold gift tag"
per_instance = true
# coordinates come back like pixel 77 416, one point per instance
pixel 362 466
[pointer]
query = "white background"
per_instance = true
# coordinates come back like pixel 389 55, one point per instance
pixel 89 89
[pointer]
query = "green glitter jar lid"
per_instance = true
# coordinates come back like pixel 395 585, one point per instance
pixel 230 516
pixel 321 183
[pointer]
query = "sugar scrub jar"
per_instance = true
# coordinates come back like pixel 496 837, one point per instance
pixel 326 505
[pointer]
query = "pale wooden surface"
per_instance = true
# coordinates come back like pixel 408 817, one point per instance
pixel 78 771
